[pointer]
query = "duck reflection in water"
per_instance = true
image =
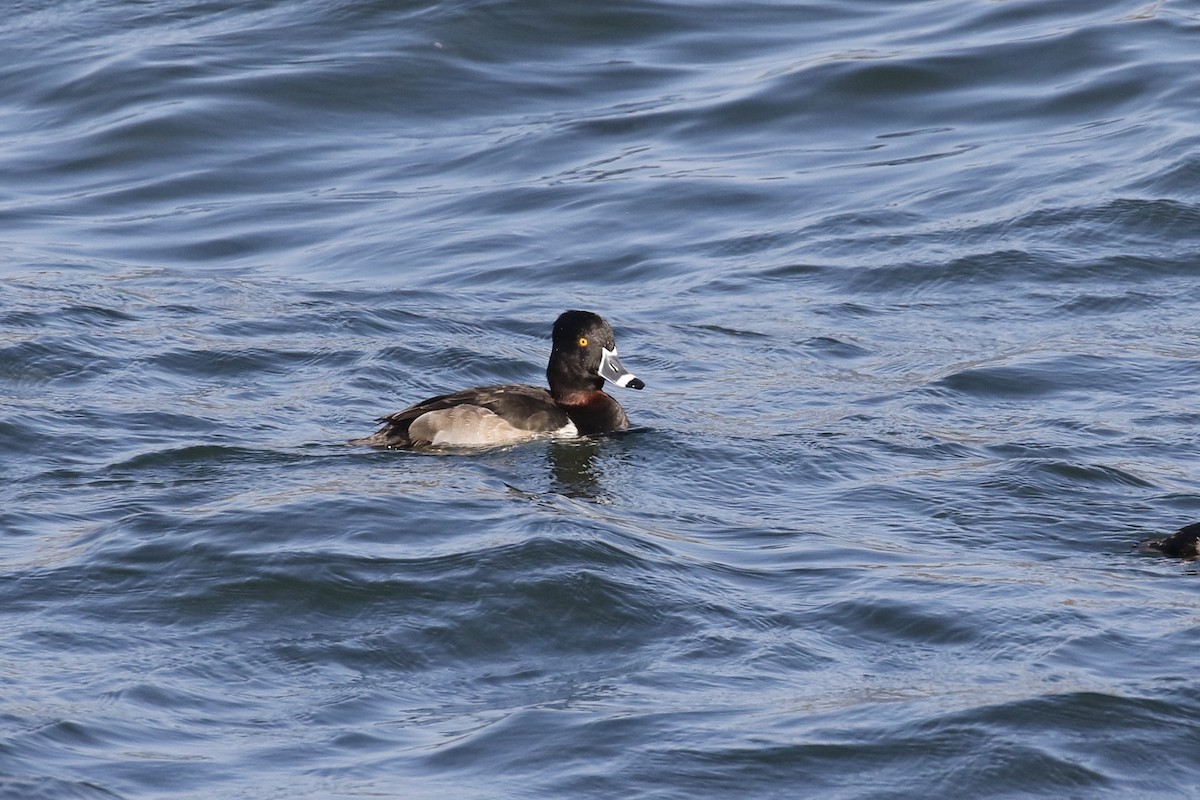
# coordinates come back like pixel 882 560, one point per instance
pixel 585 468
pixel 574 469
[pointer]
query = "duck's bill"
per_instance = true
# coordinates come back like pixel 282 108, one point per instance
pixel 611 369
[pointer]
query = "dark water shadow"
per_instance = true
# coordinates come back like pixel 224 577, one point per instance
pixel 578 466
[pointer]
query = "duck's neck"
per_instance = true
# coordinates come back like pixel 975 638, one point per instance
pixel 592 411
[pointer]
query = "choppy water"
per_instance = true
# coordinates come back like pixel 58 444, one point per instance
pixel 913 289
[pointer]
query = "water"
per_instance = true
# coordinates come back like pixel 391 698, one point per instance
pixel 912 286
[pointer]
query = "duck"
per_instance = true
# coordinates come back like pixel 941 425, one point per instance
pixel 583 356
pixel 1183 543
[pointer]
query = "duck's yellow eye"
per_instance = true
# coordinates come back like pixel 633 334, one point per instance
pixel 583 341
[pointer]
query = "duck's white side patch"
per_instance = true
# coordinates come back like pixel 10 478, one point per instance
pixel 465 426
pixel 568 431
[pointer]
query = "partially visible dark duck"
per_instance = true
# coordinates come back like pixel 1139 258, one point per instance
pixel 1183 543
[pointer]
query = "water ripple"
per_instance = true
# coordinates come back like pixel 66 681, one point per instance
pixel 912 289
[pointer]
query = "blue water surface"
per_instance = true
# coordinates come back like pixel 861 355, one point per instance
pixel 912 286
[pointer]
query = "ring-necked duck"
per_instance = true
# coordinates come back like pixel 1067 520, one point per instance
pixel 582 357
pixel 1183 543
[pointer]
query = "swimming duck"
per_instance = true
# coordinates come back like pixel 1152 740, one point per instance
pixel 583 355
pixel 1183 543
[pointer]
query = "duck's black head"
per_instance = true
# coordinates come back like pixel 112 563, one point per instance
pixel 584 355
